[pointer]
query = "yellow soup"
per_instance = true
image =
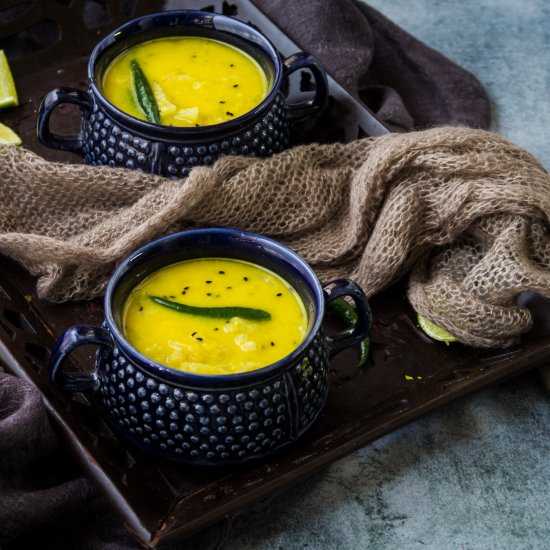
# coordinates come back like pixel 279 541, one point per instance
pixel 195 81
pixel 214 316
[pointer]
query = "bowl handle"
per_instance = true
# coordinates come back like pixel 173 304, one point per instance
pixel 362 327
pixel 309 107
pixel 52 100
pixel 79 335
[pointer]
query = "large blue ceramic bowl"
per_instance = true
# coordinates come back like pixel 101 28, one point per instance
pixel 211 420
pixel 112 137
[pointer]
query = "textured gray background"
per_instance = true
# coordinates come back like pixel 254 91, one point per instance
pixel 505 43
pixel 475 474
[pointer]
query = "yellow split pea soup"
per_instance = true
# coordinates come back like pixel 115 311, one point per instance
pixel 195 81
pixel 214 316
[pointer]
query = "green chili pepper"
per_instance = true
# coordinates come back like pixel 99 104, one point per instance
pixel 144 94
pixel 216 312
pixel 346 313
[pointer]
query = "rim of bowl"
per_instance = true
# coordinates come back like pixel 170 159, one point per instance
pixel 163 371
pixel 190 131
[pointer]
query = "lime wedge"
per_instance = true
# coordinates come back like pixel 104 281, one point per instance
pixel 8 95
pixel 435 332
pixel 8 136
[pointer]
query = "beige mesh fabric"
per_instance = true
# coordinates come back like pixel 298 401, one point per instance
pixel 464 210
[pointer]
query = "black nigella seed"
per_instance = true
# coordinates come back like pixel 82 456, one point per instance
pixel 222 102
pixel 209 294
pixel 184 292
pixel 216 328
pixel 197 124
pixel 229 113
pixel 221 272
pixel 279 293
pixel 171 296
pixel 208 282
pixel 141 308
pixel 185 288
pixel 272 343
pixel 245 278
pixel 232 65
pixel 193 334
pixel 229 287
pixel 235 85
pixel 199 339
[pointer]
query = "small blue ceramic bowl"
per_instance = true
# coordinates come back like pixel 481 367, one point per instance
pixel 112 137
pixel 211 420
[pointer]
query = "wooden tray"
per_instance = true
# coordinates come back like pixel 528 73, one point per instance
pixel 159 501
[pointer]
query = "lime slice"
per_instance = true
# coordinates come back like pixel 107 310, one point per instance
pixel 435 332
pixel 8 95
pixel 8 136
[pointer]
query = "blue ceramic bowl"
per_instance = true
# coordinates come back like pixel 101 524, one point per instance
pixel 112 137
pixel 211 420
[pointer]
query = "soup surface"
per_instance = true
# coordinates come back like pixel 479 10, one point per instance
pixel 195 81
pixel 214 316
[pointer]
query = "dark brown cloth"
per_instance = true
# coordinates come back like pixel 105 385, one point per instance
pixel 404 82
pixel 45 502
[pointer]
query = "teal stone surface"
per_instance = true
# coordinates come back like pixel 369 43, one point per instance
pixel 505 44
pixel 475 474
pixel 472 475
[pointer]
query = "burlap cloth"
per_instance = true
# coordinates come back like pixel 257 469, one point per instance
pixel 465 211
pixel 438 187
